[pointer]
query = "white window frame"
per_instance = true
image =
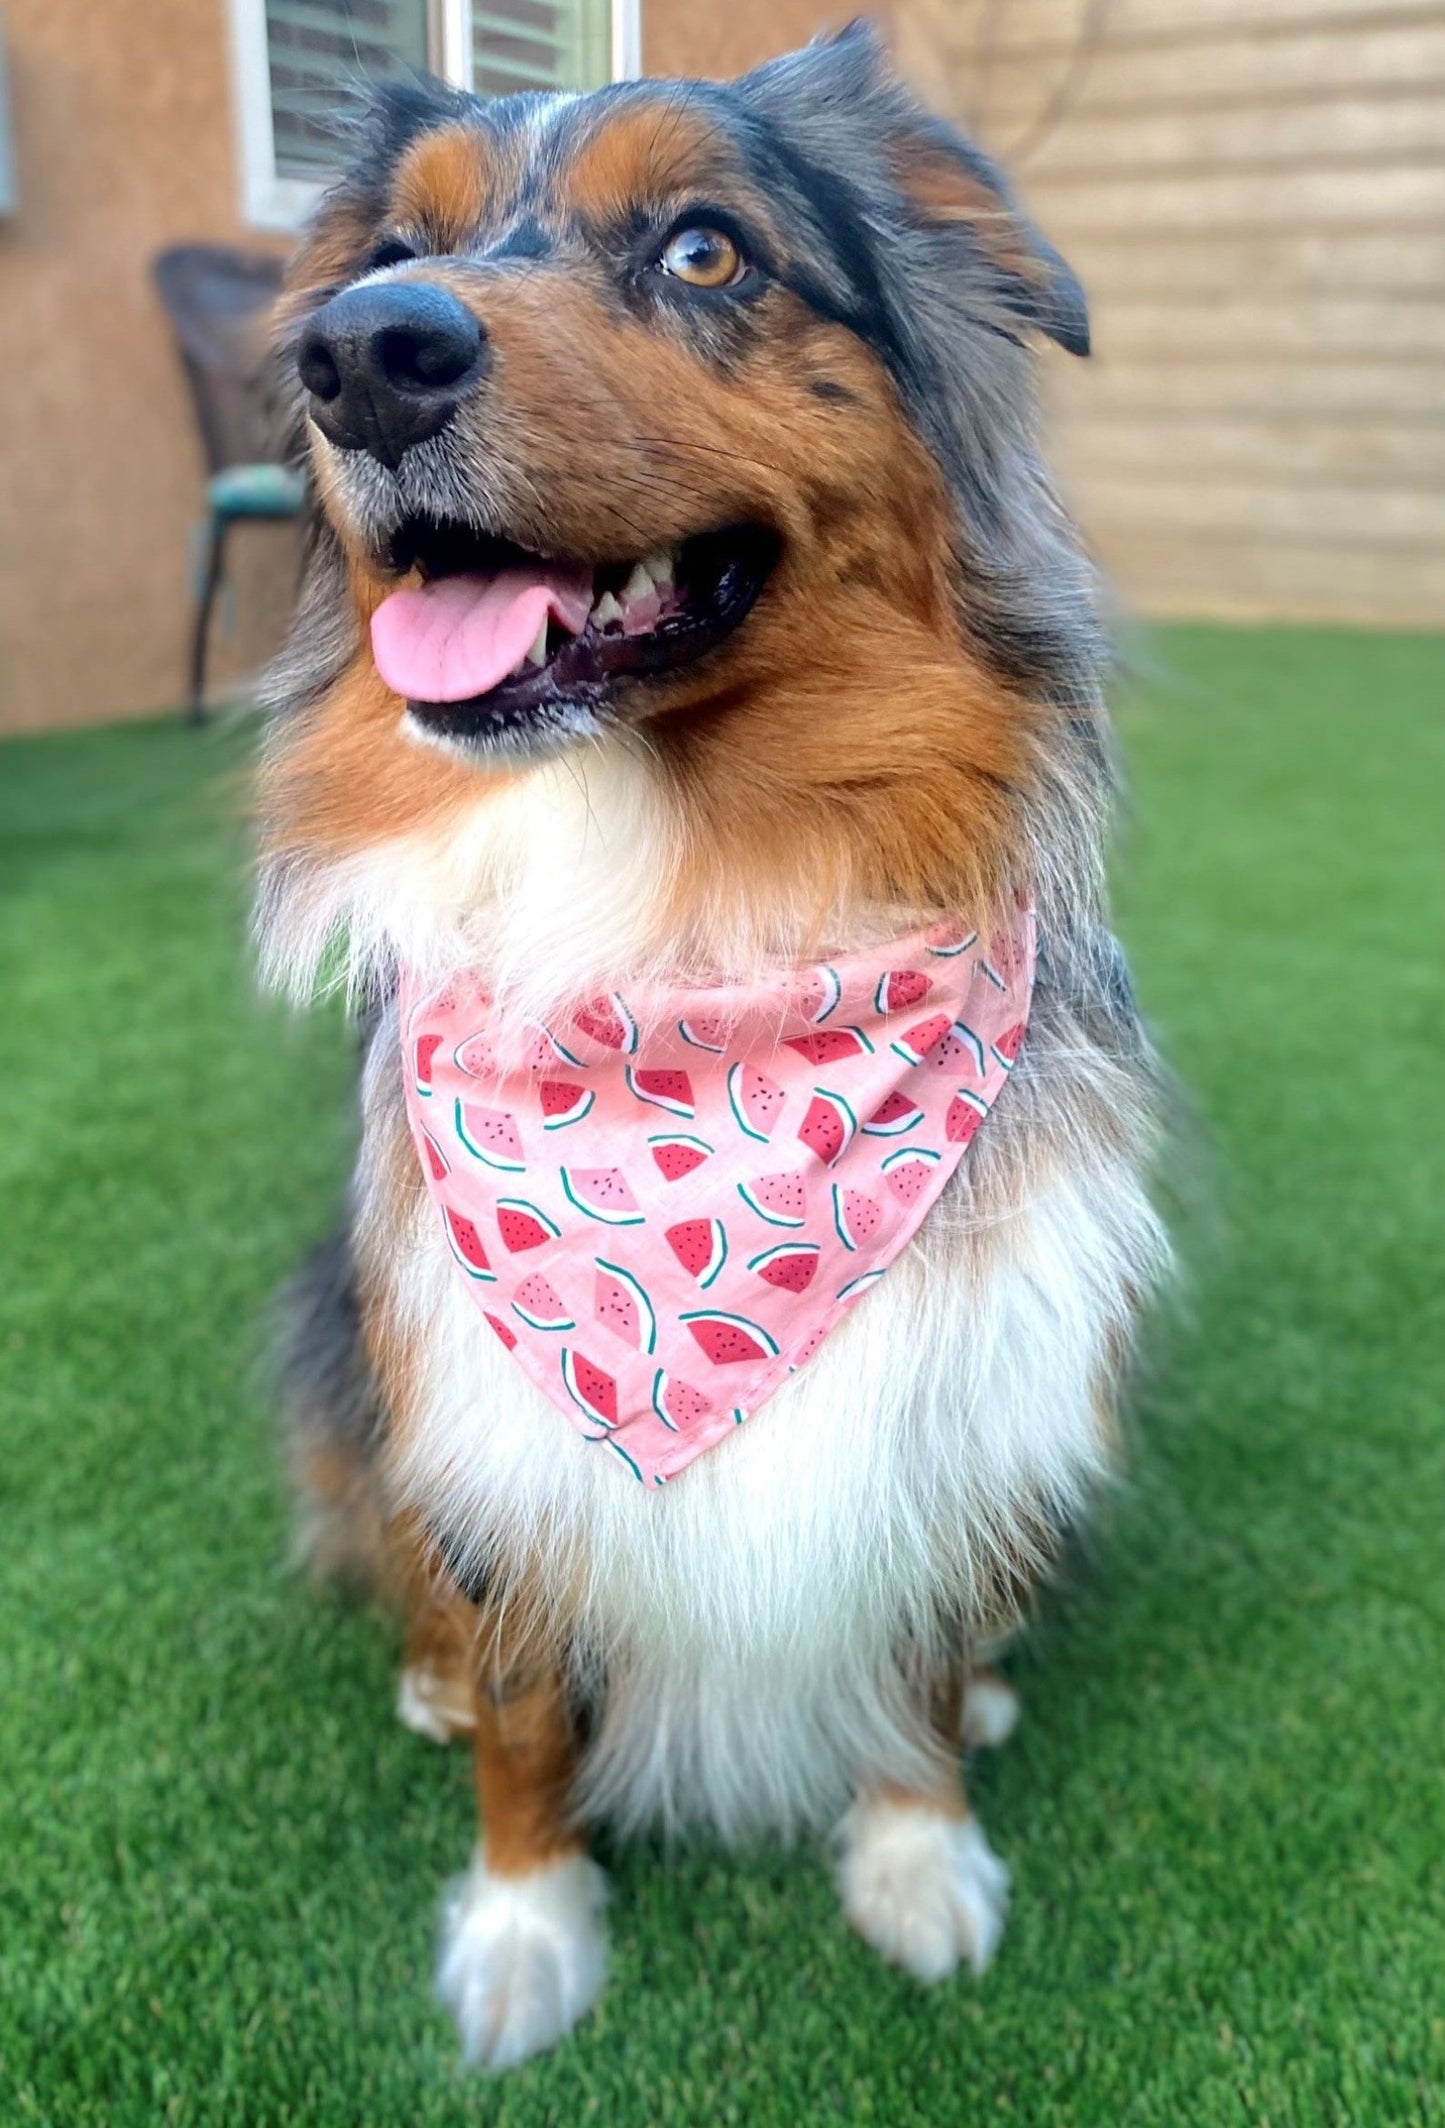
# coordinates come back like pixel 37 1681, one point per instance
pixel 280 204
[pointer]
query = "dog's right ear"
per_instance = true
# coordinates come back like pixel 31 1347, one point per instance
pixel 840 100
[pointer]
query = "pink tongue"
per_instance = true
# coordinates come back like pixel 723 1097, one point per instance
pixel 462 635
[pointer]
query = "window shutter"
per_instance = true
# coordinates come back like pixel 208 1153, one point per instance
pixel 540 44
pixel 317 51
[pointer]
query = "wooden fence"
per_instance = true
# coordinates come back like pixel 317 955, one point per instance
pixel 1254 194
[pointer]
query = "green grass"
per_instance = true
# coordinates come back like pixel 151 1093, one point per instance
pixel 220 1857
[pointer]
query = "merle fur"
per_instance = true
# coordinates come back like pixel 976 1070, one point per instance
pixel 320 1352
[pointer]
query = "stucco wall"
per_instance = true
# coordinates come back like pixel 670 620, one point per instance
pixel 124 143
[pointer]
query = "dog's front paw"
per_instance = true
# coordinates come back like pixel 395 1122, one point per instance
pixel 925 1889
pixel 523 1958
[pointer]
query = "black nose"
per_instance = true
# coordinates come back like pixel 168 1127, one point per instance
pixel 387 366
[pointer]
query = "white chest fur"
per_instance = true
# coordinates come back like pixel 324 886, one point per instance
pixel 750 1614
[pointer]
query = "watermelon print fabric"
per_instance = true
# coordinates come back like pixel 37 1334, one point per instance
pixel 665 1206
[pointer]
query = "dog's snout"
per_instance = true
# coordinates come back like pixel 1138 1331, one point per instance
pixel 387 366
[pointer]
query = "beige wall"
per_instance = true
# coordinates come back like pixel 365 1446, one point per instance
pixel 1254 194
pixel 124 143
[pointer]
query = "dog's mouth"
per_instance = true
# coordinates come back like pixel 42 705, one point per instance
pixel 501 646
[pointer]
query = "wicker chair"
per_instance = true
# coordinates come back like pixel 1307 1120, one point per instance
pixel 217 300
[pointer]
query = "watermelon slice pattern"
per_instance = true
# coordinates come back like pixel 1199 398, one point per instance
pixel 662 1213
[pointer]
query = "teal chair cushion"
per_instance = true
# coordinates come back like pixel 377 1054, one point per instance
pixel 256 491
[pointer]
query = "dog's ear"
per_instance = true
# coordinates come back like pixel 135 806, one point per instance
pixel 843 94
pixel 953 189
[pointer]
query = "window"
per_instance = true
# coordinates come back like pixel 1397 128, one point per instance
pixel 295 60
pixel 541 44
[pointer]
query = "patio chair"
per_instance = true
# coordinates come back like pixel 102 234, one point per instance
pixel 216 299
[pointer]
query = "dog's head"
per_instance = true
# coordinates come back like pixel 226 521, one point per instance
pixel 697 416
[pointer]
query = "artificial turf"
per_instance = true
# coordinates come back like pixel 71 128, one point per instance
pixel 219 1855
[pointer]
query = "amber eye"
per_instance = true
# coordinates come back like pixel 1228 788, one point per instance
pixel 704 258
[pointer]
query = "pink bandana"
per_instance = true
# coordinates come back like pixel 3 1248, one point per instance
pixel 665 1207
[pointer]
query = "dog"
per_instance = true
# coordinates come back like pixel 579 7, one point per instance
pixel 691 755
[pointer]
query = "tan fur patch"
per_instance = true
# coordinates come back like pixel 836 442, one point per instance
pixel 525 1765
pixel 350 778
pixel 947 1800
pixel 663 147
pixel 944 190
pixel 446 185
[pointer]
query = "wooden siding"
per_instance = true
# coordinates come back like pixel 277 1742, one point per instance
pixel 1253 192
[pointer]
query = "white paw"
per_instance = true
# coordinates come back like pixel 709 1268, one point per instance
pixel 926 1890
pixel 522 1957
pixel 433 1706
pixel 990 1712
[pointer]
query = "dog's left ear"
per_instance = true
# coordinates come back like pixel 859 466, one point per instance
pixel 952 189
pixel 840 98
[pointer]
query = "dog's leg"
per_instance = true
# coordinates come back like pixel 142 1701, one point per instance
pixel 524 1952
pixel 436 1692
pixel 917 1877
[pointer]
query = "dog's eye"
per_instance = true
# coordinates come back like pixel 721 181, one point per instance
pixel 391 251
pixel 703 257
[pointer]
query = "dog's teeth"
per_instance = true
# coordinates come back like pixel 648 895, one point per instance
pixel 638 585
pixel 537 655
pixel 658 567
pixel 606 610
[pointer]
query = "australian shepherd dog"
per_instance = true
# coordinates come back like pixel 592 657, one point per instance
pixel 690 754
